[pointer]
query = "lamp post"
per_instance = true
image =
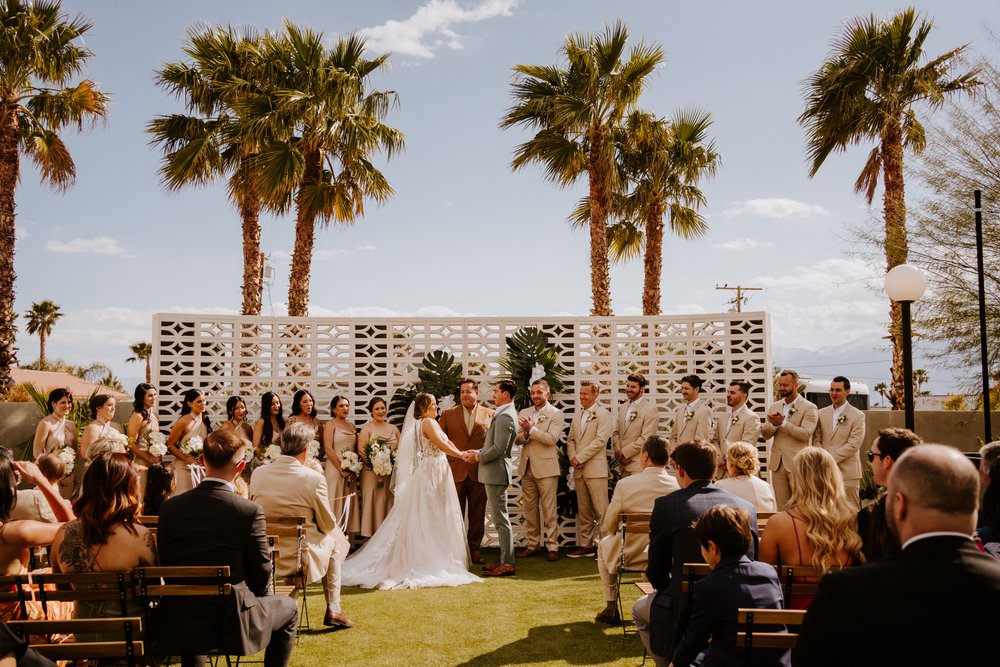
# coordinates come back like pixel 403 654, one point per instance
pixel 905 284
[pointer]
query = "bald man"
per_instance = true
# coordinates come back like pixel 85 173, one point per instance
pixel 934 603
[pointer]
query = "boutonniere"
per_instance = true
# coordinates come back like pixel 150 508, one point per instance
pixel 588 416
pixel 842 419
pixel 688 413
pixel 632 416
pixel 542 417
pixel 792 410
pixel 735 418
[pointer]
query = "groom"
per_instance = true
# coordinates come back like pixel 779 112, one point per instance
pixel 494 472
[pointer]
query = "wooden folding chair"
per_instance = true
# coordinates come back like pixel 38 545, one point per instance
pixel 754 636
pixel 293 528
pixel 632 527
pixel 130 648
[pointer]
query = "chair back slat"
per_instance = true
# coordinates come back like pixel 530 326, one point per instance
pixel 130 648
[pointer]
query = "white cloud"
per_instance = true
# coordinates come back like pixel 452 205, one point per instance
pixel 777 208
pixel 286 256
pixel 100 245
pixel 744 244
pixel 20 231
pixel 429 28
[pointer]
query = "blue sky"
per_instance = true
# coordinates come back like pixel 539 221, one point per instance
pixel 463 234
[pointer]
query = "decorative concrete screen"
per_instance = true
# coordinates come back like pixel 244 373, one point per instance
pixel 362 358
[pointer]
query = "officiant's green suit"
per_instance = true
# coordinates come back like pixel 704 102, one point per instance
pixel 495 474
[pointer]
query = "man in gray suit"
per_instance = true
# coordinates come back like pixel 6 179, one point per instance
pixel 494 472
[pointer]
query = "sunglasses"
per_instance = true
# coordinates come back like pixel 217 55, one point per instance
pixel 872 455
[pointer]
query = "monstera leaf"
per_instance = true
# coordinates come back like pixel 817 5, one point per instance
pixel 439 375
pixel 526 349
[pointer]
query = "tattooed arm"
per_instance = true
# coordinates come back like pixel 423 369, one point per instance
pixel 69 552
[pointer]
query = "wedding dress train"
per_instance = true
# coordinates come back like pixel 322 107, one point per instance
pixel 421 543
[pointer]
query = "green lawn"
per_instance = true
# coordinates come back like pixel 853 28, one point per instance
pixel 543 616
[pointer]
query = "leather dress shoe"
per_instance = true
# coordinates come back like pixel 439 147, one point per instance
pixel 528 552
pixel 337 619
pixel 609 616
pixel 582 552
pixel 501 570
pixel 477 557
pixel 553 556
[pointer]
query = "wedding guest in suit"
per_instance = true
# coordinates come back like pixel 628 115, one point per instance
pixel 288 488
pixel 735 582
pixel 466 425
pixel 339 436
pixel 935 602
pixel 636 493
pixel 31 503
pixel 193 423
pixel 211 525
pixel 141 424
pixel 818 526
pixel 873 525
pixel 841 430
pixel 989 454
pixel 693 420
pixel 740 424
pixel 662 616
pixel 636 421
pixel 540 428
pixel 742 480
pixel 494 472
pixel 236 413
pixel 791 422
pixel 587 449
pixel 376 491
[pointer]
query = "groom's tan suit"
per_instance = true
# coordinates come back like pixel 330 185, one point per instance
pixel 538 468
pixel 471 493
pixel 632 429
pixel 588 443
pixel 794 434
pixel 843 441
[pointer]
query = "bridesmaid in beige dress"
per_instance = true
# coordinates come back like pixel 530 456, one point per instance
pixel 102 411
pixel 375 501
pixel 236 413
pixel 339 436
pixel 304 411
pixel 193 422
pixel 56 431
pixel 142 424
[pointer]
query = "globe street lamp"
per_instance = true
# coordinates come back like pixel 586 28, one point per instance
pixel 905 284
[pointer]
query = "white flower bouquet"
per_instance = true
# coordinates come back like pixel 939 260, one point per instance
pixel 68 457
pixel 314 447
pixel 157 444
pixel 271 454
pixel 192 446
pixel 381 458
pixel 445 402
pixel 349 460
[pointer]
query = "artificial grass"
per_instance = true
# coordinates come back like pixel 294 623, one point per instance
pixel 542 616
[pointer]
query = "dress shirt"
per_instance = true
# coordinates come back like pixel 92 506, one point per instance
pixel 836 414
pixel 229 485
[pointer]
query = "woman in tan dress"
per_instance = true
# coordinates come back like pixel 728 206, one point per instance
pixel 267 430
pixel 56 432
pixel 376 494
pixel 193 422
pixel 236 413
pixel 102 411
pixel 339 435
pixel 142 424
pixel 304 411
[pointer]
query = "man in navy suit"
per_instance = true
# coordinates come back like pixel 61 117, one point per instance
pixel 935 602
pixel 735 581
pixel 661 617
pixel 211 525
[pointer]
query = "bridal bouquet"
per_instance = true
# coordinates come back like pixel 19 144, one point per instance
pixel 350 461
pixel 271 454
pixel 157 444
pixel 314 449
pixel 381 458
pixel 192 446
pixel 68 456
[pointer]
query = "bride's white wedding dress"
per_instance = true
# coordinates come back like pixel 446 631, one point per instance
pixel 422 542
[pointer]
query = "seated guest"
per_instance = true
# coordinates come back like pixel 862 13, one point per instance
pixel 936 601
pixel 876 539
pixel 661 616
pixel 635 493
pixel 31 503
pixel 988 455
pixel 106 535
pixel 989 513
pixel 211 525
pixel 287 487
pixel 742 467
pixel 14 650
pixel 735 581
pixel 818 525
pixel 159 487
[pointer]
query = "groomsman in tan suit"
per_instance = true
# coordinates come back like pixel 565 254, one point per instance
pixel 539 430
pixel 587 448
pixel 693 420
pixel 740 424
pixel 791 422
pixel 635 423
pixel 288 488
pixel 633 494
pixel 466 425
pixel 841 431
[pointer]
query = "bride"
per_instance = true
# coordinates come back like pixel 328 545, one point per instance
pixel 421 543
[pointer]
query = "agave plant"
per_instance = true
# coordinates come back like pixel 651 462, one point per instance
pixel 526 349
pixel 439 374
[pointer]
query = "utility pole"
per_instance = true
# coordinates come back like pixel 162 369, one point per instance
pixel 739 299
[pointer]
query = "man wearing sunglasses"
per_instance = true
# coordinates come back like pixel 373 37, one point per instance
pixel 876 540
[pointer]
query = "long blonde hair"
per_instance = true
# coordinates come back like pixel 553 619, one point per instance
pixel 818 499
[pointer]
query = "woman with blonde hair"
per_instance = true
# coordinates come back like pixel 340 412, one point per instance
pixel 742 467
pixel 819 524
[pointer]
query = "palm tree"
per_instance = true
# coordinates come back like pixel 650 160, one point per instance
pixel 206 143
pixel 868 89
pixel 41 317
pixel 575 108
pixel 663 160
pixel 142 351
pixel 920 378
pixel 882 390
pixel 40 50
pixel 319 127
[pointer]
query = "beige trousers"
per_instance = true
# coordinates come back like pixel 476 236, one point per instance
pixel 540 509
pixel 592 502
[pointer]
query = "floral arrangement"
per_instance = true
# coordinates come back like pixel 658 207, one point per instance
pixel 349 460
pixel 445 403
pixel 842 419
pixel 381 458
pixel 157 444
pixel 68 457
pixel 192 446
pixel 271 454
pixel 314 449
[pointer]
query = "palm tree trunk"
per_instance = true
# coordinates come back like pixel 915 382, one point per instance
pixel 9 166
pixel 305 234
pixel 600 276
pixel 896 248
pixel 41 349
pixel 253 261
pixel 149 372
pixel 653 263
